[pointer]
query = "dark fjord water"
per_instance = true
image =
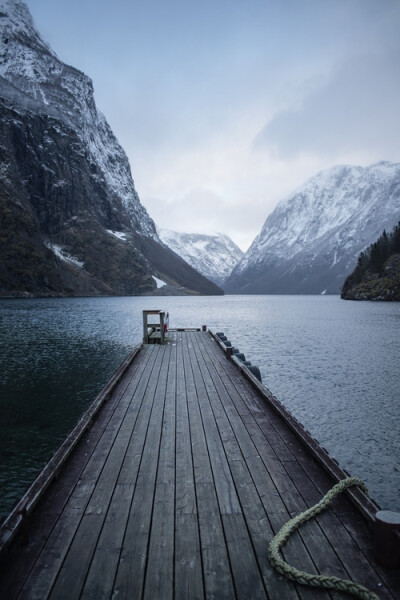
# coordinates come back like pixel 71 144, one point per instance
pixel 334 364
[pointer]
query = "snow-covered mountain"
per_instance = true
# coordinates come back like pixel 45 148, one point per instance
pixel 214 256
pixel 35 80
pixel 311 241
pixel 65 183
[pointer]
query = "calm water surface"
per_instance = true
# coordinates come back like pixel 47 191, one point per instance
pixel 334 364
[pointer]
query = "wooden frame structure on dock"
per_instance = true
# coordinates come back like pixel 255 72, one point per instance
pixel 154 331
pixel 172 486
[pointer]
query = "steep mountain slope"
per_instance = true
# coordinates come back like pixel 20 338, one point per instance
pixel 311 241
pixel 214 256
pixel 66 184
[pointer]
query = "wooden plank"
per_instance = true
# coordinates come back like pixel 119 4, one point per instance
pixel 246 574
pixel 277 510
pixel 159 581
pixel 261 533
pixel 234 454
pixel 218 579
pixel 216 566
pixel 143 399
pixel 100 579
pixel 71 576
pixel 160 564
pixel 256 517
pixel 225 488
pixel 188 559
pixel 131 571
pixel 184 487
pixel 41 580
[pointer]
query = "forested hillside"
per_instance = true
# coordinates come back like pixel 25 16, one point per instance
pixel 377 274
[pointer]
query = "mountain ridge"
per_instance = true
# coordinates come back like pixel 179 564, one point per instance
pixel 310 242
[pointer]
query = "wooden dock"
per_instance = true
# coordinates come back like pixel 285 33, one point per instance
pixel 172 487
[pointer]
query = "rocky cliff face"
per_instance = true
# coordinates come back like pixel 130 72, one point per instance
pixel 311 241
pixel 65 183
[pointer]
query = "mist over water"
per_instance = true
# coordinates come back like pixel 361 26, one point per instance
pixel 334 364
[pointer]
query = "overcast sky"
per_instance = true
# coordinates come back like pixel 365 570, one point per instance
pixel 225 106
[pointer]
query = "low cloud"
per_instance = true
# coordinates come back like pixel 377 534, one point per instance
pixel 355 111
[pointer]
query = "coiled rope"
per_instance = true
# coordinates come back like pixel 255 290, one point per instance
pixel 323 581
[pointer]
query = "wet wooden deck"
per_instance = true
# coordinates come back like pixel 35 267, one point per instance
pixel 176 490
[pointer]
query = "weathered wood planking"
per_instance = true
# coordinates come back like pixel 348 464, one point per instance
pixel 176 490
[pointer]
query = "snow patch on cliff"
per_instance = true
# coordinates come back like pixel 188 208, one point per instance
pixel 63 255
pixel 120 235
pixel 159 282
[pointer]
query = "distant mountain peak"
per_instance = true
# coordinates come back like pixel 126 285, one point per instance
pixel 18 15
pixel 212 255
pixel 18 26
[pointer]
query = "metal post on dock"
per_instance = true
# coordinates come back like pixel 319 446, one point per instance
pixel 387 538
pixel 228 351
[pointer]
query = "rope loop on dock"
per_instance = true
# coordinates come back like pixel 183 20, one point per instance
pixel 323 581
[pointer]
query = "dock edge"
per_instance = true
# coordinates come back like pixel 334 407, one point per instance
pixel 14 522
pixel 364 504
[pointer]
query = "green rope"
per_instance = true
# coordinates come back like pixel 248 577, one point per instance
pixel 332 583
